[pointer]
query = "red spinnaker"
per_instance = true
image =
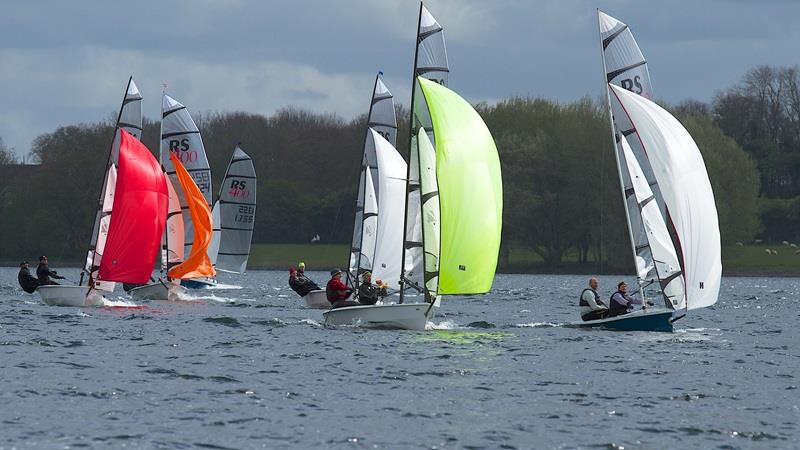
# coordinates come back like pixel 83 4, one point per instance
pixel 138 216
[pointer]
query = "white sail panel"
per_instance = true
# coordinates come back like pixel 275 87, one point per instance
pixel 412 238
pixel 179 135
pixel 369 227
pixel 213 248
pixel 430 213
pixel 680 171
pixel 237 210
pixel 431 60
pixel 382 117
pixel 172 241
pixel 355 243
pixel 389 242
pixel 665 260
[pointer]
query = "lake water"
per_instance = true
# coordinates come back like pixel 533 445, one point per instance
pixel 253 368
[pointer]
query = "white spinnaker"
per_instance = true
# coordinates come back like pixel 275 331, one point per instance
pixel 237 213
pixel 679 168
pixel 626 66
pixel 129 118
pixel 665 259
pixel 370 225
pixel 392 185
pixel 179 134
pixel 216 231
pixel 429 187
pixel 172 241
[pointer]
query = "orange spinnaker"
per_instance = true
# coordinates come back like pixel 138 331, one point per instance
pixel 197 264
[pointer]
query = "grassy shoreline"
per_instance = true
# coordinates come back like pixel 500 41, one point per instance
pixel 746 261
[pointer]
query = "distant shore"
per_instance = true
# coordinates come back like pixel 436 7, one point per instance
pixel 737 261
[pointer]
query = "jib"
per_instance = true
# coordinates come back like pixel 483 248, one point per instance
pixel 629 84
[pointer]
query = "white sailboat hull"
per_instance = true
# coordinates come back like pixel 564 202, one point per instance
pixel 155 291
pixel 58 295
pixel 405 316
pixel 317 300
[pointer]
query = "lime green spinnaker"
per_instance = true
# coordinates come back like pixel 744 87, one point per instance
pixel 470 193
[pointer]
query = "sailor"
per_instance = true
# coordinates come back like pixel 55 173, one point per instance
pixel 44 273
pixel 27 282
pixel 368 293
pixel 299 282
pixel 621 302
pixel 337 292
pixel 592 308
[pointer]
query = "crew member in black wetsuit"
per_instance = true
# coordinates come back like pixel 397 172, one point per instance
pixel 27 282
pixel 368 293
pixel 44 273
pixel 621 302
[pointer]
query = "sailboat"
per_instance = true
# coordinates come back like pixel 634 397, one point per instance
pixel 453 201
pixel 180 138
pixel 664 185
pixel 234 215
pixel 128 177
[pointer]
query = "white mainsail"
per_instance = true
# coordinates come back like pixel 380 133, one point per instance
pixel 179 135
pixel 429 190
pixel 129 118
pixel 625 66
pixel 381 119
pixel 430 62
pixel 236 212
pixel 392 185
pixel 369 226
pixel 679 168
pixel 665 260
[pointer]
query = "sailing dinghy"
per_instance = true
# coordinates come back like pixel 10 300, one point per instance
pixel 129 119
pixel 180 137
pixel 664 184
pixel 453 201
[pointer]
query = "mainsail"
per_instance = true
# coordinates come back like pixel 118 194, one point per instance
pixel 430 62
pixel 140 213
pixel 679 168
pixel 381 119
pixel 172 242
pixel 625 66
pixel 391 184
pixel 180 136
pixel 197 263
pixel 235 214
pixel 129 119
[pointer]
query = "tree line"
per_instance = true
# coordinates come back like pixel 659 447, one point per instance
pixel 561 188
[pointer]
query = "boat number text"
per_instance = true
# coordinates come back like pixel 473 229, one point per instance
pixel 245 214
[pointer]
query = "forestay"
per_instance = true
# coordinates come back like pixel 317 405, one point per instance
pixel 392 185
pixel 179 135
pixel 470 193
pixel 679 168
pixel 235 213
pixel 129 119
pixel 625 66
pixel 430 62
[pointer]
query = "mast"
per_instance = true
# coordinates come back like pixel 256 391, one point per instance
pixel 360 195
pixel 165 253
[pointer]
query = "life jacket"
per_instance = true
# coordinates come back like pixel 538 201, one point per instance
pixel 615 307
pixel 583 302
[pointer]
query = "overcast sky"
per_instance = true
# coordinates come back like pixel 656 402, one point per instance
pixel 65 62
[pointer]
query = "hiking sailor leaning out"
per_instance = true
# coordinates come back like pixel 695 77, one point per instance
pixel 338 292
pixel 27 282
pixel 592 308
